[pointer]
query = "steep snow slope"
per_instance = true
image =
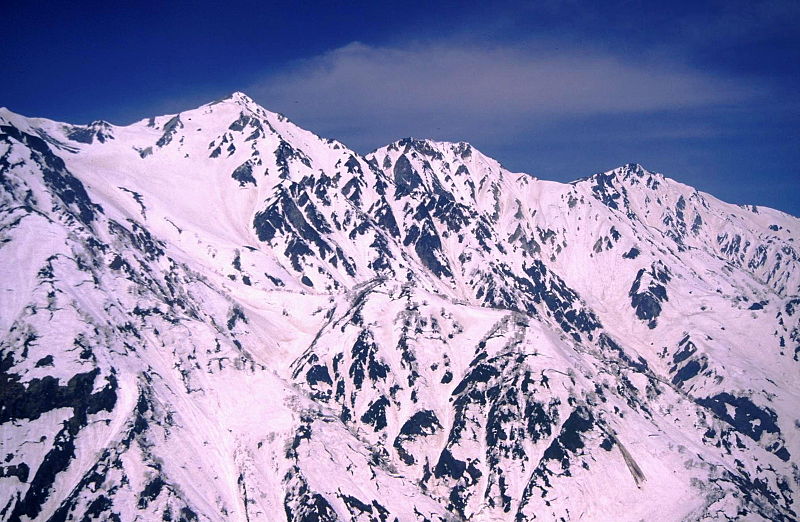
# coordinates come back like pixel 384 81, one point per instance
pixel 218 315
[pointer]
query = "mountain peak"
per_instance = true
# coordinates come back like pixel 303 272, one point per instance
pixel 240 97
pixel 428 146
pixel 634 168
pixel 624 172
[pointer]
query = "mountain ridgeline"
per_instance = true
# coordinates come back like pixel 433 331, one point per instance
pixel 218 315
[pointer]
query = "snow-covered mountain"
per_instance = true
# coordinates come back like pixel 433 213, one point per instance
pixel 218 315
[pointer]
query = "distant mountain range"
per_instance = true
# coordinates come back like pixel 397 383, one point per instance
pixel 218 315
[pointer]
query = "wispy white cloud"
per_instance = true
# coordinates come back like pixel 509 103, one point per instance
pixel 362 93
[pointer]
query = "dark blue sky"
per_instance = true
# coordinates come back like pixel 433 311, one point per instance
pixel 705 92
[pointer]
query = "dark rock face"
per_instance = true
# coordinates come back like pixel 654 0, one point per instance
pixel 244 173
pixel 420 425
pixel 61 182
pixel 449 466
pixel 648 292
pixel 406 179
pixel 746 418
pixel 42 395
pixel 428 247
pixel 376 414
pixel 633 253
pixel 302 505
pixel 170 129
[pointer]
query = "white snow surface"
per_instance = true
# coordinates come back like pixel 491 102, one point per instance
pixel 218 315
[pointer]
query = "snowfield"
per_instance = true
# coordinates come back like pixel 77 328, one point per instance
pixel 218 315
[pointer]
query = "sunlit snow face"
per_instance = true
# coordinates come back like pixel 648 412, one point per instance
pixel 220 314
